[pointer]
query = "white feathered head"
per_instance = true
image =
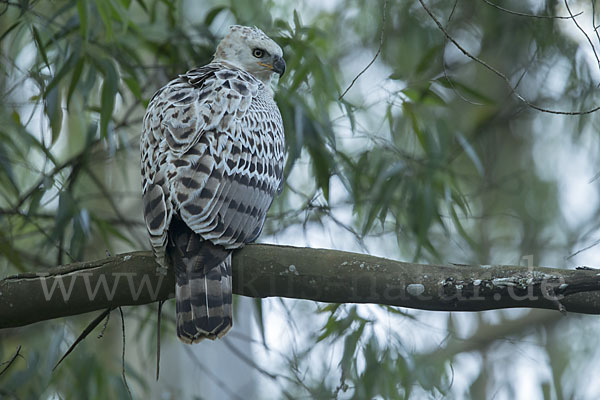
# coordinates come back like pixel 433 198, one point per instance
pixel 249 49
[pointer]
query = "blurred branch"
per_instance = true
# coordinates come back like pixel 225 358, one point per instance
pixel 594 20
pixel 488 334
pixel 51 216
pixel 520 14
pixel 44 176
pixel 583 32
pixel 498 73
pixel 11 3
pixel 301 273
pixel 6 365
pixel 385 5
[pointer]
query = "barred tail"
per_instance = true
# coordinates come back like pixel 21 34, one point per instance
pixel 203 286
pixel 203 303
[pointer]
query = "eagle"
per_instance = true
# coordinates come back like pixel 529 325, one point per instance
pixel 212 158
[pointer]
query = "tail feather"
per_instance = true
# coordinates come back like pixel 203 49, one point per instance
pixel 227 297
pixel 203 286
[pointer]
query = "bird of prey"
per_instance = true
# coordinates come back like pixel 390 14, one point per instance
pixel 212 160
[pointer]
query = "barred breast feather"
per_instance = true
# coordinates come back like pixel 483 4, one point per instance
pixel 212 160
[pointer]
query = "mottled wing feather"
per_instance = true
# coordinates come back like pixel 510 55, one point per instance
pixel 157 213
pixel 212 161
pixel 222 136
pixel 230 163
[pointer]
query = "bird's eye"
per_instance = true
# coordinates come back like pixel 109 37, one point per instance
pixel 258 53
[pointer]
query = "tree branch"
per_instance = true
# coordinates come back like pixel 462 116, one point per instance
pixel 301 273
pixel 498 73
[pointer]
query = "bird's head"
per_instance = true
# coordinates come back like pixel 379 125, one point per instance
pixel 252 51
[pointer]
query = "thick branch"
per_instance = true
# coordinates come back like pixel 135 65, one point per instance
pixel 301 273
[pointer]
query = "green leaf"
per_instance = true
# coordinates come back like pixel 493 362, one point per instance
pixel 110 87
pixel 64 69
pixel 54 112
pixel 7 250
pixel 16 117
pixel 412 93
pixel 433 99
pixel 260 319
pixel 471 153
pixel 40 45
pixel 297 22
pixel 143 5
pixel 10 28
pixel 134 87
pixel 335 326
pixel 75 76
pixel 7 169
pixel 321 169
pixel 64 214
pixel 35 199
pixel 350 348
pixel 429 59
pixel 461 230
pixel 410 112
pixel 82 10
pixel 473 93
pixel 104 10
pixel 81 231
pixel 119 12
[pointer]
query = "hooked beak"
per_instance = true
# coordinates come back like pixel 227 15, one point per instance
pixel 279 65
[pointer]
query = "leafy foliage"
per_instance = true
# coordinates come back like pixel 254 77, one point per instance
pixel 428 156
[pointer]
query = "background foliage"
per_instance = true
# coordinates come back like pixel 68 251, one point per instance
pixel 429 157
